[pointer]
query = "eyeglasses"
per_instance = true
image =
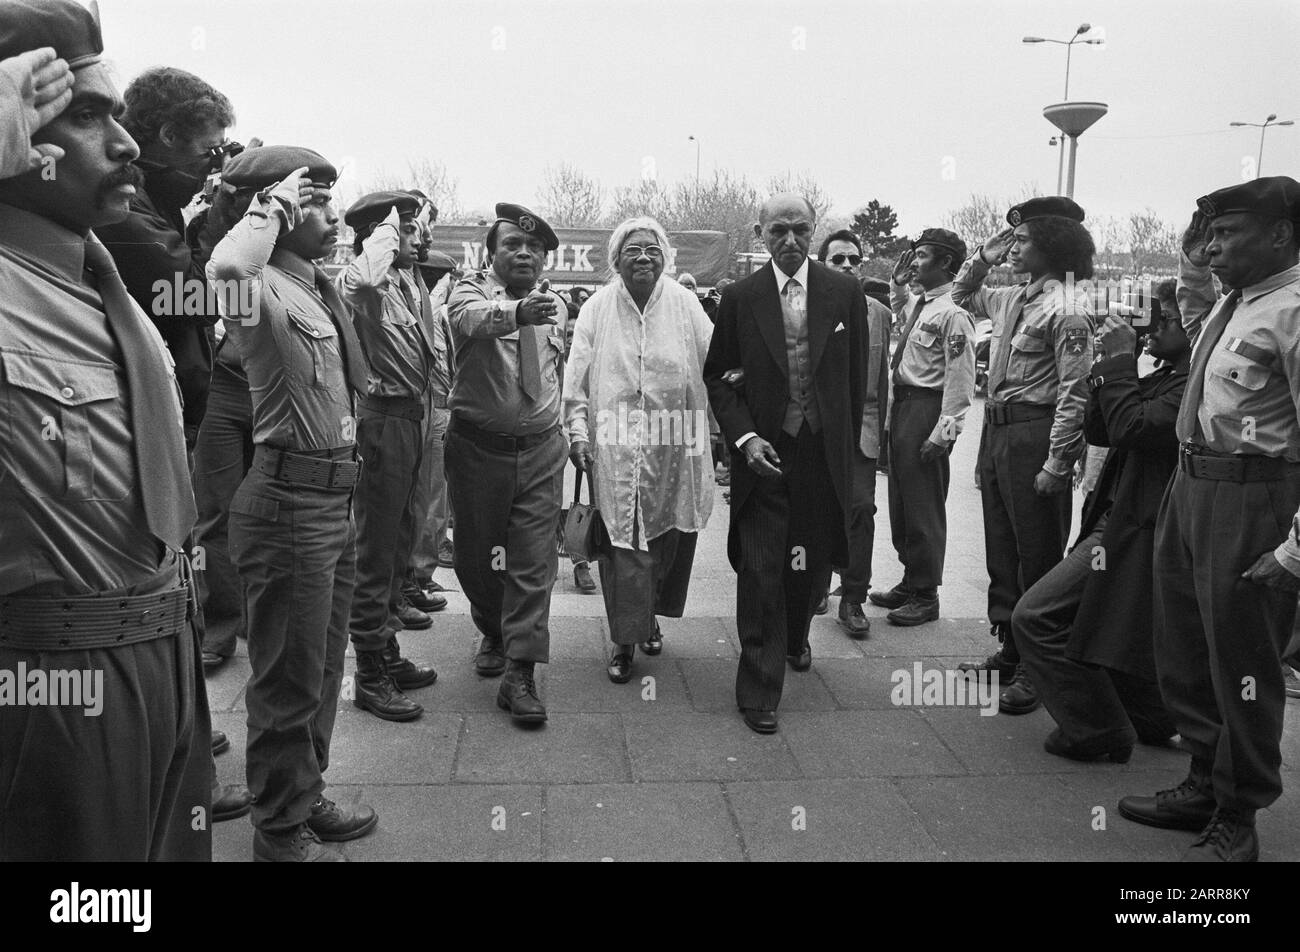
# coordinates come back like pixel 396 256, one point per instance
pixel 653 252
pixel 854 260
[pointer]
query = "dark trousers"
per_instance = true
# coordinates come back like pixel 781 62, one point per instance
pixel 222 456
pixel 392 448
pixel 295 550
pixel 1024 533
pixel 1213 629
pixel 784 531
pixel 856 576
pixel 506 505
pixel 918 492
pixel 429 504
pixel 119 786
pixel 1096 708
pixel 638 584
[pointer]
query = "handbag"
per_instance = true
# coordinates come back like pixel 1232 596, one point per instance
pixel 580 522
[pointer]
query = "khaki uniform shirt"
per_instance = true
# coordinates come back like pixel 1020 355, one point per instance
pixel 939 355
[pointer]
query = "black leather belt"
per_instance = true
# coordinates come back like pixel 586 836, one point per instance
pixel 501 442
pixel 407 408
pixel 908 392
pixel 73 623
pixel 319 471
pixel 1001 414
pixel 1200 463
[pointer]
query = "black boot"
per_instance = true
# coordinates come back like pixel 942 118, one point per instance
pixel 377 693
pixel 406 674
pixel 1188 806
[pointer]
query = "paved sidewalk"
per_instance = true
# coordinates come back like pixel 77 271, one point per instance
pixel 666 770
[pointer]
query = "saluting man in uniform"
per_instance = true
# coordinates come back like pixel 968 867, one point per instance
pixel 1227 561
pixel 292 538
pixel 933 376
pixel 1039 359
pixel 398 344
pixel 505 452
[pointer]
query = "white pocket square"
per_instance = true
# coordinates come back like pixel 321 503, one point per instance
pixel 838 329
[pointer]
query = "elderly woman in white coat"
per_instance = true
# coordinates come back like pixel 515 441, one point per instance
pixel 637 415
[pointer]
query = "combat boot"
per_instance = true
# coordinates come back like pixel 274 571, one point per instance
pixel 518 694
pixel 1188 806
pixel 1229 838
pixel 406 674
pixel 377 693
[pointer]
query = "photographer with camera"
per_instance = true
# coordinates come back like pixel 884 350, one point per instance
pixel 1084 628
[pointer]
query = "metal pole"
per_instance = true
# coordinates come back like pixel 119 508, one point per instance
pixel 1069 182
pixel 1069 47
pixel 1060 163
pixel 1259 163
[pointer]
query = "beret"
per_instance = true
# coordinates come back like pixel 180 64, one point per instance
pixel 528 222
pixel 270 164
pixel 374 208
pixel 437 261
pixel 1045 207
pixel 63 24
pixel 1276 197
pixel 942 238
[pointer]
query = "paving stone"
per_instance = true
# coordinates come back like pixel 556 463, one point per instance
pixel 866 744
pixel 699 637
pixel 226 685
pixel 669 822
pixel 842 820
pixel 864 683
pixel 585 686
pixel 704 747
pixel 366 749
pixel 713 687
pixel 568 748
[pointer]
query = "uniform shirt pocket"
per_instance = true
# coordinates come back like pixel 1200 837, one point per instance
pixel 316 359
pixel 926 334
pixel 65 420
pixel 551 355
pixel 1238 370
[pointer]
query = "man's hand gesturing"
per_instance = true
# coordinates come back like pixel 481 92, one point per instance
pixel 538 308
pixel 44 84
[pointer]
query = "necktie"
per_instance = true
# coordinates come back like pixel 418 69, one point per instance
pixel 530 368
pixel 902 341
pixel 794 293
pixel 354 362
pixel 998 372
pixel 1189 423
pixel 424 314
pixel 155 414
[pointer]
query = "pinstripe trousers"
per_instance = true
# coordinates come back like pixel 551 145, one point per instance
pixel 784 531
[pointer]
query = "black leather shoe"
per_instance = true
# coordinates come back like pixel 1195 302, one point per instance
pixel 299 845
pixel 336 824
pixel 412 618
pixel 896 597
pixel 446 554
pixel 424 599
pixel 582 578
pixel 760 722
pixel 620 666
pixel 853 620
pixel 490 661
pixel 823 606
pixel 1019 697
pixel 376 692
pixel 916 611
pixel 1058 745
pixel 1230 837
pixel 518 695
pixel 406 674
pixel 995 662
pixel 212 661
pixel 230 802
pixel 655 644
pixel 803 660
pixel 1188 806
pixel 220 743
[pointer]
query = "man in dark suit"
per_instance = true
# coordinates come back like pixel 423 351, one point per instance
pixel 793 332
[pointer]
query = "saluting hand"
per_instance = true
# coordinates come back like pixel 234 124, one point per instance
pixel 296 191
pixel 905 267
pixel 1195 238
pixel 44 82
pixel 994 251
pixel 1271 573
pixel 760 456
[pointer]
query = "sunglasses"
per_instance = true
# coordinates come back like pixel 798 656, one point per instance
pixel 854 260
pixel 653 252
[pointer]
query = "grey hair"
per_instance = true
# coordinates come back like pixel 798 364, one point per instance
pixel 619 238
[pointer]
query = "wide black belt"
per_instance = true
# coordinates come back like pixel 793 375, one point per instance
pixel 79 622
pixel 1200 463
pixel 407 408
pixel 501 442
pixel 300 470
pixel 1001 414
pixel 904 391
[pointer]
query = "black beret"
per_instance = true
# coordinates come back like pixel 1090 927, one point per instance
pixel 437 261
pixel 1275 197
pixel 942 238
pixel 1049 206
pixel 271 164
pixel 63 24
pixel 528 222
pixel 373 208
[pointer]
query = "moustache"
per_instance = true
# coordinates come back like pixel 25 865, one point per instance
pixel 126 175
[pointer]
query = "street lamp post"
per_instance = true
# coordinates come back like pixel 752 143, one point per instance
pixel 697 159
pixel 1263 126
pixel 1071 118
pixel 1060 160
pixel 1068 44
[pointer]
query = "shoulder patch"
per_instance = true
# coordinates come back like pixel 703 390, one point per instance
pixel 1076 340
pixel 956 345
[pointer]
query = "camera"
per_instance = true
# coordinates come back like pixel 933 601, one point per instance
pixel 218 155
pixel 1137 304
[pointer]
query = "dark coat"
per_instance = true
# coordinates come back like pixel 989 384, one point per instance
pixel 749 334
pixel 1135 418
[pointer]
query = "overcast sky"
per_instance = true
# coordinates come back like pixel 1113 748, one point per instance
pixel 919 103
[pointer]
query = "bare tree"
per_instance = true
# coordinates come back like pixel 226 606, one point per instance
pixel 429 176
pixel 1152 243
pixel 569 197
pixel 982 216
pixel 726 203
pixel 646 197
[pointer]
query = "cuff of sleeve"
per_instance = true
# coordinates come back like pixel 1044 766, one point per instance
pixel 1288 554
pixel 744 439
pixel 578 430
pixel 1058 467
pixel 1110 369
